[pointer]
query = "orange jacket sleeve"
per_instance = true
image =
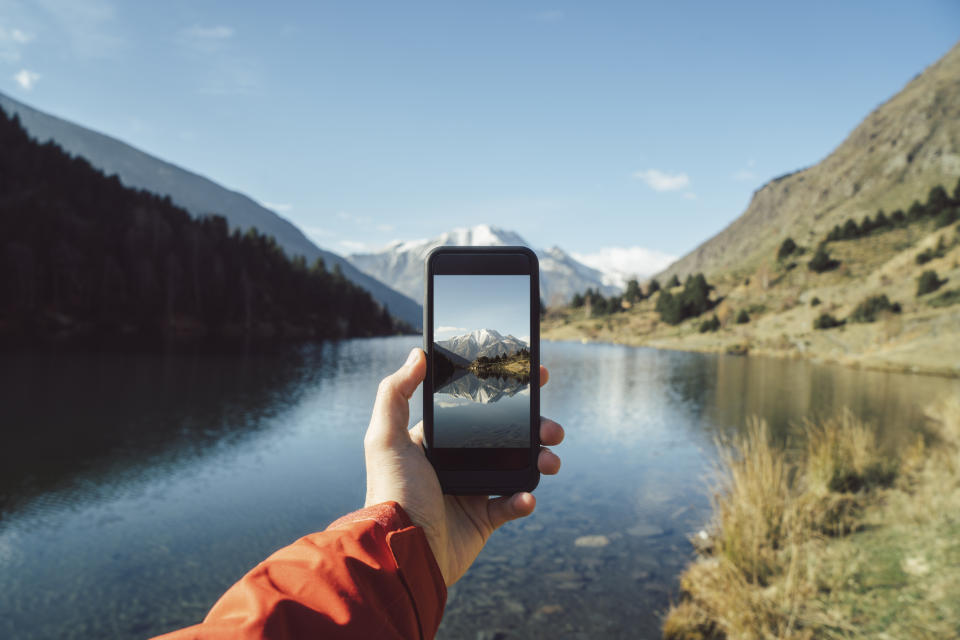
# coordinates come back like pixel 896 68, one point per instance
pixel 370 574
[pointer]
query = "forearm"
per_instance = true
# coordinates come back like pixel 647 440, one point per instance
pixel 369 574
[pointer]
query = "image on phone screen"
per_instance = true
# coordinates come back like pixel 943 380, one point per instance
pixel 481 351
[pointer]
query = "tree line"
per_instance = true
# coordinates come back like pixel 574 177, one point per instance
pixel 85 258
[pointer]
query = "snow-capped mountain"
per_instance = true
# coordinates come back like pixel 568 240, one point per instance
pixel 484 390
pixel 400 264
pixel 483 342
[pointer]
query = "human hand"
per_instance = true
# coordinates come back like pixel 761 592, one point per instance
pixel 456 527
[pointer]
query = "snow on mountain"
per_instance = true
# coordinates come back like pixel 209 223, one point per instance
pixel 400 264
pixel 483 342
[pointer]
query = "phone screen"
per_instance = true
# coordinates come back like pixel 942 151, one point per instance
pixel 481 352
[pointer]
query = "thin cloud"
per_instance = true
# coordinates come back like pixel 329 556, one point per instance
pixel 663 181
pixel 218 32
pixel 690 195
pixel 744 175
pixel 26 79
pixel 11 41
pixel 447 329
pixel 623 263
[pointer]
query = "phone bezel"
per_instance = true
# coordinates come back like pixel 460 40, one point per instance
pixel 473 474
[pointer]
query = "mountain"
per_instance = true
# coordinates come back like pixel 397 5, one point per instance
pixel 400 264
pixel 198 195
pixel 903 148
pixel 453 358
pixel 90 262
pixel 484 390
pixel 483 342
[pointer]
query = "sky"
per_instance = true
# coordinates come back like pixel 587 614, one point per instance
pixel 616 130
pixel 462 304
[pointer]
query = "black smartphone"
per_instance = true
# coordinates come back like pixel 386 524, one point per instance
pixel 481 396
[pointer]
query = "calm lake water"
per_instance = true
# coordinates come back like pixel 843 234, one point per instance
pixel 135 489
pixel 470 411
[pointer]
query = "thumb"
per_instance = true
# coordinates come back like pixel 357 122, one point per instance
pixel 391 411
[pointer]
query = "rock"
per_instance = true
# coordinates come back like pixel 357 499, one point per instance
pixel 548 609
pixel 592 541
pixel 491 634
pixel 512 606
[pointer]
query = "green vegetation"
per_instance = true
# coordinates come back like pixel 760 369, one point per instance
pixel 708 326
pixel 815 302
pixel 822 261
pixel 87 260
pixel 945 299
pixel 868 309
pixel 689 303
pixel 516 365
pixel 674 282
pixel 787 248
pixel 932 253
pixel 940 208
pixel 928 282
pixel 827 321
pixel 834 538
pixel 743 317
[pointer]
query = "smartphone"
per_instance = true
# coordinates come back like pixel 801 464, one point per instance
pixel 481 396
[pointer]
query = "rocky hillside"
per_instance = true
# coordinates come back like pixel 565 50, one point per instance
pixel 906 146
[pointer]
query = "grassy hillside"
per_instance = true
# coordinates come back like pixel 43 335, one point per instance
pixel 903 148
pixel 901 167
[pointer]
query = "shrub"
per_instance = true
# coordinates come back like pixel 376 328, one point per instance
pixel 827 321
pixel 689 303
pixel 945 299
pixel 867 310
pixel 787 248
pixel 815 302
pixel 928 282
pixel 710 325
pixel 931 253
pixel 743 317
pixel 822 261
pixel 947 217
pixel 674 282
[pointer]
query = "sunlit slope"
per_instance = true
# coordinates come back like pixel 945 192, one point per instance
pixel 902 149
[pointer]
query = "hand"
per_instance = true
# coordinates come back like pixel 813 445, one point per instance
pixel 456 527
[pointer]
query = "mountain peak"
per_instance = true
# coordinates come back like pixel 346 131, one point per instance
pixel 400 264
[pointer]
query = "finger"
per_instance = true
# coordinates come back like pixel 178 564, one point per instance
pixel 544 375
pixel 548 462
pixel 416 433
pixel 507 508
pixel 391 411
pixel 551 433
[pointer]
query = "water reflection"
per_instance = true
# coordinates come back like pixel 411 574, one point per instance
pixel 136 489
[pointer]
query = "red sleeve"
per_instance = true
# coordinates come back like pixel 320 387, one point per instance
pixel 371 574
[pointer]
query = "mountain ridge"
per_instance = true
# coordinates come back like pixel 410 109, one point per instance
pixel 400 263
pixel 906 145
pixel 483 342
pixel 198 195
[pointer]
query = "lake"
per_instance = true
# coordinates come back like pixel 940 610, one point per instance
pixel 135 489
pixel 474 412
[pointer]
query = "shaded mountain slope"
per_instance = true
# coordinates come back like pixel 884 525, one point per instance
pixel 198 195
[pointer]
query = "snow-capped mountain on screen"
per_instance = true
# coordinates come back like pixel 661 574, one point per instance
pixel 400 264
pixel 483 342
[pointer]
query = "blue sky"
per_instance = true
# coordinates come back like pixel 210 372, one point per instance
pixel 583 125
pixel 466 303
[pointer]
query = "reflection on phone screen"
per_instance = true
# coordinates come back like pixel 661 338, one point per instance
pixel 481 361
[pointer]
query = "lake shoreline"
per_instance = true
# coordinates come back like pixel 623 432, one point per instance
pixel 853 361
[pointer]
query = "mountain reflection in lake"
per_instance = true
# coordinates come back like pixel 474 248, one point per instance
pixel 135 489
pixel 475 412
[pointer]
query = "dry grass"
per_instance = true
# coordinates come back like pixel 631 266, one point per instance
pixel 832 541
